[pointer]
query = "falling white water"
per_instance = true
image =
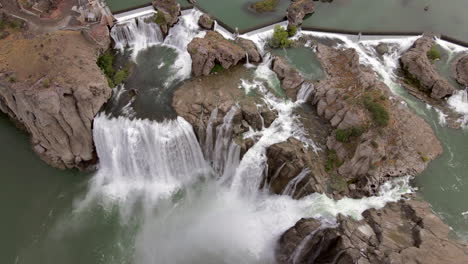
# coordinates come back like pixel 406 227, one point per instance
pixel 459 103
pixel 141 158
pixel 290 189
pixel 305 92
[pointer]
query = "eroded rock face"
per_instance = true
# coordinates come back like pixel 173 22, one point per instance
pixel 206 22
pixel 290 77
pixel 250 48
pixel 214 48
pixel 168 14
pixel 419 67
pixel 294 169
pixel 51 86
pixel 401 147
pixel 402 232
pixel 298 9
pixel 461 70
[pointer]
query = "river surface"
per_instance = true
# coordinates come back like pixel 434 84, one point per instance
pixel 156 197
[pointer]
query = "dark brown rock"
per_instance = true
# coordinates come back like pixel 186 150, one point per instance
pixel 401 232
pixel 298 9
pixel 420 69
pixel 250 48
pixel 461 70
pixel 168 14
pixel 290 77
pixel 206 22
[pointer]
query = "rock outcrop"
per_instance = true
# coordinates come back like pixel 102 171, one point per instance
pixel 250 49
pixel 215 49
pixel 461 70
pixel 401 232
pixel 168 12
pixel 51 86
pixel 291 79
pixel 375 137
pixel 298 9
pixel 422 73
pixel 206 22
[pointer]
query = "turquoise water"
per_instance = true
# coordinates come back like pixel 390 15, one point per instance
pixel 305 60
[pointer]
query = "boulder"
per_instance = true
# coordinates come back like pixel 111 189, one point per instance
pixel 250 48
pixel 294 169
pixel 211 50
pixel 298 9
pixel 382 49
pixel 52 99
pixel 401 232
pixel 461 70
pixel 206 22
pixel 422 72
pixel 168 12
pixel 291 78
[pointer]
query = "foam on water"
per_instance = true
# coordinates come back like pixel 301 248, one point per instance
pixel 459 103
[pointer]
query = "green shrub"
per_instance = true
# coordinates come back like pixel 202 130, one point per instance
pixel 159 18
pixel 46 83
pixel 265 5
pixel 292 30
pixel 344 135
pixel 217 68
pixel 120 76
pixel 280 38
pixel 434 53
pixel 377 110
pixel 105 62
pixel 332 160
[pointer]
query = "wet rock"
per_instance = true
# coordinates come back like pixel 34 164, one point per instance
pixel 168 12
pixel 215 49
pixel 376 152
pixel 250 48
pixel 401 232
pixel 206 22
pixel 294 169
pixel 298 9
pixel 55 101
pixel 422 72
pixel 382 49
pixel 290 77
pixel 461 70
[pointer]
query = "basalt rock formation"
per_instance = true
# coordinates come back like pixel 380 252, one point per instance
pixel 51 86
pixel 375 136
pixel 298 9
pixel 250 49
pixel 215 49
pixel 401 232
pixel 168 12
pixel 422 73
pixel 291 78
pixel 461 70
pixel 206 22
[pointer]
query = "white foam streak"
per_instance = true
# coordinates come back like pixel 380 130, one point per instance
pixel 459 103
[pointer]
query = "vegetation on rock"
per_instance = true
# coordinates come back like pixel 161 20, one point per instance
pixel 280 38
pixel 434 53
pixel 106 63
pixel 292 30
pixel 217 68
pixel 159 18
pixel 332 161
pixel 379 113
pixel 345 135
pixel 265 5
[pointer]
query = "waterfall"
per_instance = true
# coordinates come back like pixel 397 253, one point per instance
pixel 290 189
pixel 136 34
pixel 459 103
pixel 305 92
pixel 141 157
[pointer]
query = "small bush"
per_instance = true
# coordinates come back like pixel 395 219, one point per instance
pixel 120 76
pixel 217 68
pixel 280 38
pixel 292 30
pixel 159 18
pixel 344 135
pixel 377 110
pixel 105 62
pixel 46 83
pixel 434 53
pixel 12 79
pixel 332 160
pixel 265 5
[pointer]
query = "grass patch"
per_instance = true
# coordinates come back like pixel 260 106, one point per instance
pixel 265 5
pixel 434 53
pixel 345 135
pixel 280 38
pixel 217 68
pixel 332 161
pixel 379 114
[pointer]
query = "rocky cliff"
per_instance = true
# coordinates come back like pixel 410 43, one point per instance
pixel 168 12
pixel 461 70
pixel 401 232
pixel 51 86
pixel 422 73
pixel 298 9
